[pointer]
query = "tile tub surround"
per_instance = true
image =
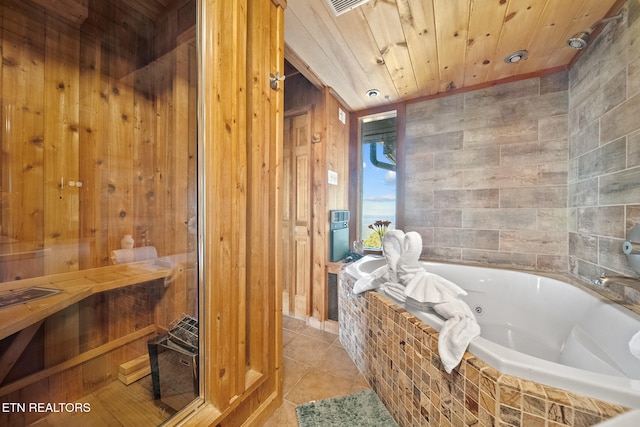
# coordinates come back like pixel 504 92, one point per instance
pixel 398 355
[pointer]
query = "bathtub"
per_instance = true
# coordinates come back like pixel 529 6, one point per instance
pixel 542 329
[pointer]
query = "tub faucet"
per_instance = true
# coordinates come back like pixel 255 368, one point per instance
pixel 629 282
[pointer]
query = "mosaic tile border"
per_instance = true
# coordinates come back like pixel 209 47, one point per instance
pixel 398 355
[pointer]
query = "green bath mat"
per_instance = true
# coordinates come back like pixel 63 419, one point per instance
pixel 363 408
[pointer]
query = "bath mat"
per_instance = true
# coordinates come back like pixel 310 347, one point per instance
pixel 363 408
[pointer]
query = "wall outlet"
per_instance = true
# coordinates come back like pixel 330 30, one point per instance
pixel 342 116
pixel 332 177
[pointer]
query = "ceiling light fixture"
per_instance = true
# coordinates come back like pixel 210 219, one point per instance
pixel 372 93
pixel 516 57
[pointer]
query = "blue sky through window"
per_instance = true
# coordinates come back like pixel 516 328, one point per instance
pixel 378 191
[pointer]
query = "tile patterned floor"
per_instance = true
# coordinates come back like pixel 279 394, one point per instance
pixel 315 367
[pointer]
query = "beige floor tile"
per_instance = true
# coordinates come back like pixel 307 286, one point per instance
pixel 293 372
pixel 317 385
pixel 305 349
pixel 359 383
pixel 336 361
pixel 292 323
pixel 318 334
pixel 284 416
pixel 288 336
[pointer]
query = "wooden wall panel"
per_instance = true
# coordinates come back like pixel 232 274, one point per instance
pixel 23 134
pixel 90 154
pixel 241 134
pixel 75 11
pixel 319 215
pixel 286 227
pixel 265 274
pixel 337 153
pixel 61 100
pixel 119 167
pixel 225 198
pixel 144 164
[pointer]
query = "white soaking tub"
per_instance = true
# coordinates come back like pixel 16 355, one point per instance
pixel 542 329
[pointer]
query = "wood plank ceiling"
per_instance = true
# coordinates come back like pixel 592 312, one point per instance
pixel 414 48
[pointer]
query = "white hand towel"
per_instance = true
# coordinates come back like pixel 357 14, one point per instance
pixel 122 256
pixel 634 345
pixel 456 333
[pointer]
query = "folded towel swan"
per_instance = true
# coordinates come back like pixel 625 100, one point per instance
pixel 404 278
pixel 392 246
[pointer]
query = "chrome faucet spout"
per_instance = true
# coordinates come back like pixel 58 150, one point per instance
pixel 607 281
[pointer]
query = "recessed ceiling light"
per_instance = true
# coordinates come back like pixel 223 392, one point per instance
pixel 372 93
pixel 516 57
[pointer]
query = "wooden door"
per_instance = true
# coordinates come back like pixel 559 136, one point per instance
pixel 296 218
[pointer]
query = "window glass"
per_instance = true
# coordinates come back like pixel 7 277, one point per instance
pixel 378 191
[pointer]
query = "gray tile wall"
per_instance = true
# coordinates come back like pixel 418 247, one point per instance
pixel 604 143
pixel 487 174
pixel 537 174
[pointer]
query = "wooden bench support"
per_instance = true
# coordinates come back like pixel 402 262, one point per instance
pixel 81 358
pixel 13 353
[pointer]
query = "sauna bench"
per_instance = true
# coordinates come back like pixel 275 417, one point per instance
pixel 75 286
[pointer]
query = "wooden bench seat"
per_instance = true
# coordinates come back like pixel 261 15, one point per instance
pixel 75 286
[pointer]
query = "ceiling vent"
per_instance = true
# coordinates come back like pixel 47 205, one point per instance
pixel 341 6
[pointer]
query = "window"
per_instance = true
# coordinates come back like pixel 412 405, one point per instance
pixel 378 177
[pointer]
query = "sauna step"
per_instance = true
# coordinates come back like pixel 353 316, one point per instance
pixel 135 369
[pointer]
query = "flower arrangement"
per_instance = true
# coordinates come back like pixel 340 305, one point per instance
pixel 379 228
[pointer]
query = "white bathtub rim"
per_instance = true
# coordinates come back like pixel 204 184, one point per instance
pixel 609 388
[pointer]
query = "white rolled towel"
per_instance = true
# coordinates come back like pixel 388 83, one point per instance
pixel 123 256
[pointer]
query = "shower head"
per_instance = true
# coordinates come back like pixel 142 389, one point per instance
pixel 580 40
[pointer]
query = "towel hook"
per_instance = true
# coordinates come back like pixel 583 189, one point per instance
pixel 273 80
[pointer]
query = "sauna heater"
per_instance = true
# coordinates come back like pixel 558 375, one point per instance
pixel 174 363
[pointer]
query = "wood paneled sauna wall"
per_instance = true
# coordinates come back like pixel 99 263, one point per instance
pixel 98 140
